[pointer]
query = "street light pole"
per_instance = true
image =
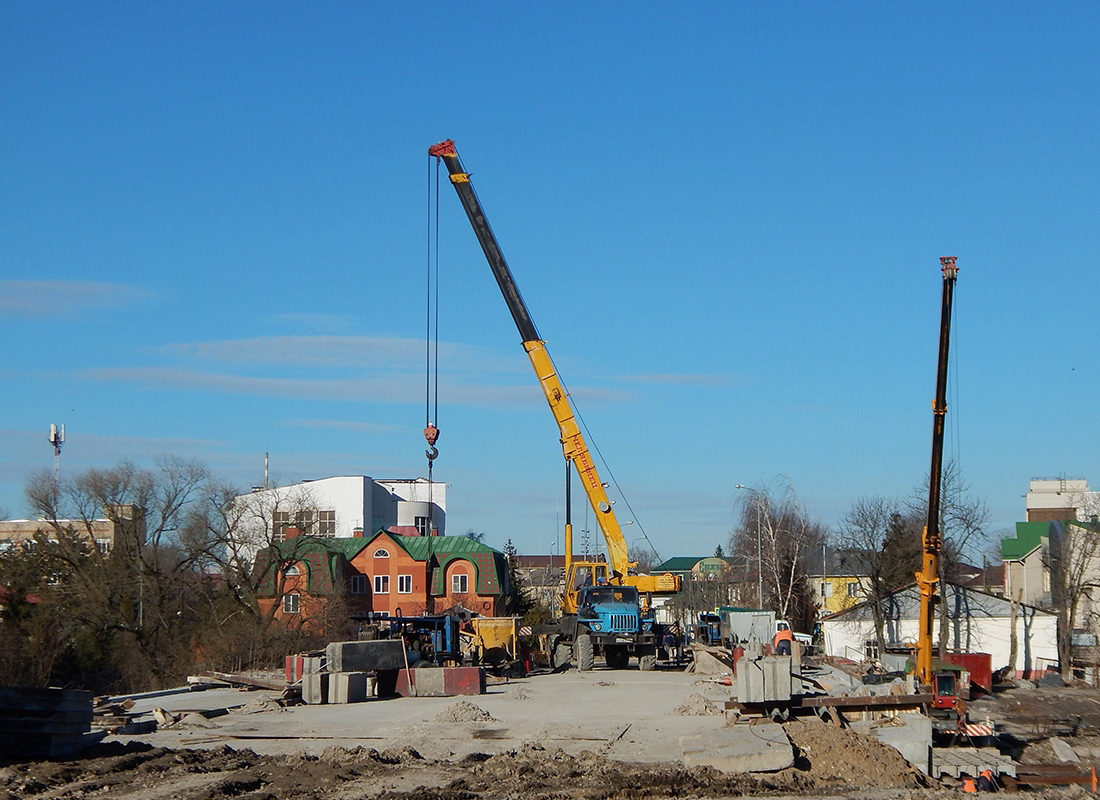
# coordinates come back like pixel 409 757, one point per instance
pixel 759 549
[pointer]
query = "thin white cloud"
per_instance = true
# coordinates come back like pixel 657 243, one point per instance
pixel 37 298
pixel 381 388
pixel 363 352
pixel 384 388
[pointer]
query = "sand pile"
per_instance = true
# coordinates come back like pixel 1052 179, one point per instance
pixel 697 706
pixel 463 711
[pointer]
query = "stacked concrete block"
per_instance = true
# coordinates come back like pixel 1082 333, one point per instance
pixel 765 679
pixel 315 688
pixel 43 723
pixel 441 681
pixel 301 664
pixel 365 656
pixel 350 687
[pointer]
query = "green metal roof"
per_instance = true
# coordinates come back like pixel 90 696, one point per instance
pixel 419 546
pixel 1029 535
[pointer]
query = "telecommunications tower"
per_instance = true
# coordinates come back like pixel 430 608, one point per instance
pixel 57 438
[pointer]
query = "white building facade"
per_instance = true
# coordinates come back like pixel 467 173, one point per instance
pixel 979 623
pixel 341 507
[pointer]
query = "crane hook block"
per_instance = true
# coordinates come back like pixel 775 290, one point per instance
pixel 431 433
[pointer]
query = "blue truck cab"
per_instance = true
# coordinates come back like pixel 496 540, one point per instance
pixel 610 620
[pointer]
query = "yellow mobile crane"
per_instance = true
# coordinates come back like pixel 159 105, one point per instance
pixel 945 689
pixel 581 604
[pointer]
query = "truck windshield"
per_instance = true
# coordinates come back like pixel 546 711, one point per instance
pixel 611 594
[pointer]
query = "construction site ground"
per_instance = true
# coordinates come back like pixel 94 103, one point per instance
pixel 601 734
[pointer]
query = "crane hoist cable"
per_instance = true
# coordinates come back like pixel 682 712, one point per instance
pixel 431 338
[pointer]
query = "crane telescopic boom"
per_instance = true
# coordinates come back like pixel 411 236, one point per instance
pixel 573 444
pixel 932 537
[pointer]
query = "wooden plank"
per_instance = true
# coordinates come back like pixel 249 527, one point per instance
pixel 247 680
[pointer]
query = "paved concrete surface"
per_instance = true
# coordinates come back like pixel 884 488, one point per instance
pixel 625 714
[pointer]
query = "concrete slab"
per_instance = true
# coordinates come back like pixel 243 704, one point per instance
pixel 1063 752
pixel 762 747
pixel 956 761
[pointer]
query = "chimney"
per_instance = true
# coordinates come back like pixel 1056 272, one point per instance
pixel 291 532
pixel 357 533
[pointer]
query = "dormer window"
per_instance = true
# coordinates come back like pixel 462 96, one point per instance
pixel 381 553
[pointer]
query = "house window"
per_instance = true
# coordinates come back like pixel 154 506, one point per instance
pixel 853 588
pixel 103 545
pixel 303 521
pixel 870 649
pixel 292 570
pixel 421 524
pixel 280 521
pixel 460 583
pixel 326 523
pixel 358 584
pixel 826 589
pixel 381 584
pixel 291 603
pixel 382 553
pixel 404 584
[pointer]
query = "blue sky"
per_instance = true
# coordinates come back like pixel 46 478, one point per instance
pixel 726 219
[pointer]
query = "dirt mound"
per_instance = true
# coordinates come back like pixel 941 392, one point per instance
pixel 835 755
pixel 531 772
pixel 537 773
pixel 697 706
pixel 463 711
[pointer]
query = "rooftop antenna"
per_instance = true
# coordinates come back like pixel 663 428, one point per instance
pixel 57 438
pixel 265 471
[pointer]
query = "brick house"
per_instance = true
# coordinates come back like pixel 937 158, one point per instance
pixel 390 574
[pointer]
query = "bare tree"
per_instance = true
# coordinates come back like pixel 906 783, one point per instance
pixel 1073 563
pixel 130 596
pixel 885 542
pixel 777 533
pixel 243 537
pixel 644 558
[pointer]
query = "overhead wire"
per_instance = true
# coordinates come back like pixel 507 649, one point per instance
pixel 607 469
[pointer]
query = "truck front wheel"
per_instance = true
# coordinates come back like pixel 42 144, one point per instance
pixel 583 652
pixel 647 663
